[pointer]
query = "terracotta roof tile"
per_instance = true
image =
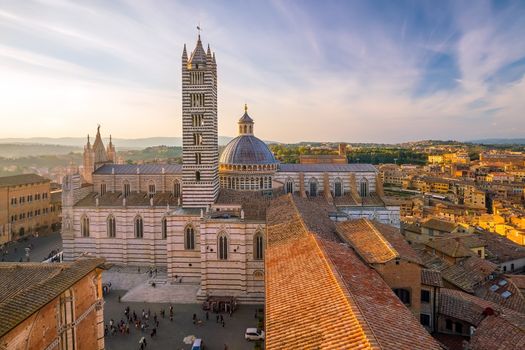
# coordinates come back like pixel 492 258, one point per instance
pixel 23 179
pixel 452 247
pixel 498 333
pixel 305 306
pixel 27 287
pixel 320 295
pixel 431 278
pixel 376 242
pixel 392 324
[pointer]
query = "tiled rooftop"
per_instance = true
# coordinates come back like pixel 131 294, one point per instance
pixel 452 247
pixel 502 290
pixel 439 225
pixel 499 248
pixel 129 169
pixel 469 273
pixel 498 333
pixel 376 242
pixel 305 306
pixel 320 295
pixel 431 278
pixel 24 179
pixel 27 287
pixel 326 167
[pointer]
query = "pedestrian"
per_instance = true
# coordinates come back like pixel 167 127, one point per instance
pixel 142 343
pixel 207 316
pixel 153 333
pixel 222 318
pixel 194 318
pixel 217 318
pixel 157 324
pixel 222 323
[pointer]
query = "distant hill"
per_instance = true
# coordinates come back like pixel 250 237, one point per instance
pixel 499 141
pixel 119 143
pixel 12 150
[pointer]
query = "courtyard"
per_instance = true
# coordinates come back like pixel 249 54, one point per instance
pixel 171 334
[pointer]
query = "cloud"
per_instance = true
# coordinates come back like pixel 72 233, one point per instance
pixel 353 71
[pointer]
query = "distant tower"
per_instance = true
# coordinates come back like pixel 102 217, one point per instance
pixel 112 153
pixel 95 156
pixel 88 162
pixel 200 148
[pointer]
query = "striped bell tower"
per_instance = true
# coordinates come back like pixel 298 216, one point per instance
pixel 200 147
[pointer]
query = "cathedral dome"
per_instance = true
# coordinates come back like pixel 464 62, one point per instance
pixel 247 149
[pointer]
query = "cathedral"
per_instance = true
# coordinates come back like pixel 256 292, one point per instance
pixel 204 220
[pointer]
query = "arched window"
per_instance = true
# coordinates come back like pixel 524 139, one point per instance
pixel 189 238
pixel 176 188
pixel 258 246
pixel 363 187
pixel 111 226
pixel 139 227
pixel 164 228
pixel 261 183
pixel 126 188
pixel 84 226
pixel 222 247
pixel 338 188
pixel 67 224
pixel 197 176
pixel 313 187
pixel 289 185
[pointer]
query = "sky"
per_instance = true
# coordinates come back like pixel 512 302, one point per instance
pixel 353 71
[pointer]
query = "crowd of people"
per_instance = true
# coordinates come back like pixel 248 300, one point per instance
pixel 148 323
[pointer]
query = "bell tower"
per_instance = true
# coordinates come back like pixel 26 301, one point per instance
pixel 200 148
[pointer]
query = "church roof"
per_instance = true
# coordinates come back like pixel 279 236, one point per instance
pixel 247 149
pixel 245 119
pixel 125 169
pixel 296 168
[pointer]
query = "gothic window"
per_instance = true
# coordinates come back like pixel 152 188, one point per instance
pixel 289 185
pixel 103 189
pixel 197 176
pixel 176 188
pixel 189 238
pixel 139 227
pixel 222 247
pixel 164 228
pixel 127 189
pixel 258 246
pixel 313 187
pixel 84 226
pixel 338 188
pixel 261 183
pixel 258 275
pixel 111 226
pixel 151 190
pixel 198 158
pixel 363 187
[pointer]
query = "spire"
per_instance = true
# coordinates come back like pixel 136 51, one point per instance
pixel 245 108
pixel 208 51
pixel 198 56
pixel 110 141
pixel 184 53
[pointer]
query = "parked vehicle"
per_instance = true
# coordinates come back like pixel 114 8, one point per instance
pixel 198 344
pixel 253 334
